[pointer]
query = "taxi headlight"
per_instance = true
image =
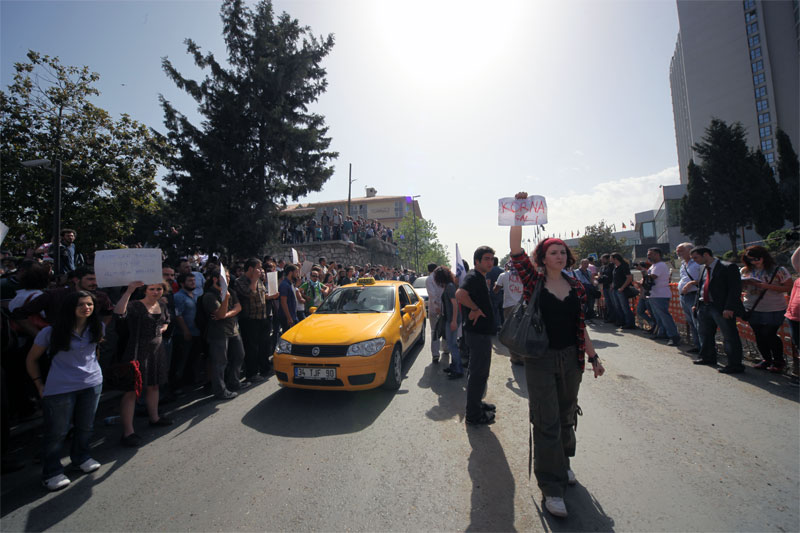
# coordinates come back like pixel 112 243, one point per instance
pixel 366 348
pixel 283 347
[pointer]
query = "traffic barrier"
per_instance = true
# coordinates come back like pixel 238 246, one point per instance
pixel 745 331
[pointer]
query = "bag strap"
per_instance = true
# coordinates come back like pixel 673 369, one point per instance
pixel 760 296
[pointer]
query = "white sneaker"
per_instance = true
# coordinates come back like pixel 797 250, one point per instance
pixel 556 506
pixel 56 482
pixel 89 465
pixel 571 477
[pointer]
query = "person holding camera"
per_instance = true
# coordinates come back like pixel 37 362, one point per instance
pixel 660 295
pixel 643 309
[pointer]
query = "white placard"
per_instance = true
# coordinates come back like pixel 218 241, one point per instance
pixel 295 257
pixel 3 232
pixel 305 268
pixel 223 281
pixel 531 211
pixel 117 268
pixel 272 283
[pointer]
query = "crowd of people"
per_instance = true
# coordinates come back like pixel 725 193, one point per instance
pixel 334 227
pixel 216 328
pixel 61 335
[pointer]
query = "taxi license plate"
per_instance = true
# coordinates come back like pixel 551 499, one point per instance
pixel 315 373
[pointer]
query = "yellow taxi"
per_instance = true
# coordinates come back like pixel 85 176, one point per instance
pixel 355 340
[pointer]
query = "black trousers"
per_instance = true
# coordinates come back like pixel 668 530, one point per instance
pixel 255 337
pixel 480 360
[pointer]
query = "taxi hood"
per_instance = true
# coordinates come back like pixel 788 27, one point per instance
pixel 337 328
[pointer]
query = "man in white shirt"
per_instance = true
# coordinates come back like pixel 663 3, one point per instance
pixel 434 309
pixel 660 295
pixel 512 288
pixel 687 288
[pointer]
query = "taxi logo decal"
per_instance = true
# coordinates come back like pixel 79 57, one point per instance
pixel 315 351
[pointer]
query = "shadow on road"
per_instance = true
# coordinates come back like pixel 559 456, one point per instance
pixel 585 513
pixel 300 413
pixel 492 501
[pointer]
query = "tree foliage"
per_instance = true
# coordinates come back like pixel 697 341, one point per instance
pixel 599 239
pixel 732 188
pixel 258 144
pixel 109 166
pixel 789 175
pixel 429 248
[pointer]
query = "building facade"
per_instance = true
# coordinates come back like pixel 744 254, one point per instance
pixel 388 210
pixel 738 61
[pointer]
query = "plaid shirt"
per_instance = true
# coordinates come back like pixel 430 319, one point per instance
pixel 528 275
pixel 254 303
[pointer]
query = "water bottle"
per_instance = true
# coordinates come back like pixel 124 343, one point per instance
pixel 111 420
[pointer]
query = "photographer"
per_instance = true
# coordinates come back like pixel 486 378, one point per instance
pixel 660 295
pixel 643 309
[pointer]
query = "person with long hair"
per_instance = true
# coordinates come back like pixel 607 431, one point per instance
pixel 765 284
pixel 70 390
pixel 147 320
pixel 554 377
pixel 450 313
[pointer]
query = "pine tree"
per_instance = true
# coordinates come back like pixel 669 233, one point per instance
pixel 694 220
pixel 789 175
pixel 258 143
pixel 767 203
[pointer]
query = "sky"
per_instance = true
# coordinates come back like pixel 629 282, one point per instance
pixel 459 102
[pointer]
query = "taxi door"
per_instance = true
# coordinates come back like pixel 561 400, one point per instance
pixel 418 315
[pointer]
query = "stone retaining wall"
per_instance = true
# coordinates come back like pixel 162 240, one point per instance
pixel 376 252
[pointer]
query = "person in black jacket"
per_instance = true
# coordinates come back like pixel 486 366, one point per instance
pixel 718 303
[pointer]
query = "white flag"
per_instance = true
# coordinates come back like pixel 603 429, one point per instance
pixel 460 272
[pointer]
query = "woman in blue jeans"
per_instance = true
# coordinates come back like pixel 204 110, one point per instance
pixel 622 278
pixel 451 314
pixel 71 388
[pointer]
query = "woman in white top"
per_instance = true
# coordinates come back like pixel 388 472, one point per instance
pixel 765 285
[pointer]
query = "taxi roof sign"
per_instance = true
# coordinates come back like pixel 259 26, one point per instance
pixel 366 281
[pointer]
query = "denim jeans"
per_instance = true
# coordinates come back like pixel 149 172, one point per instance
pixel 709 318
pixel 435 342
pixel 480 360
pixel 660 308
pixel 687 301
pixel 59 410
pixel 622 309
pixel 765 325
pixel 451 338
pixel 255 337
pixel 643 306
pixel 610 305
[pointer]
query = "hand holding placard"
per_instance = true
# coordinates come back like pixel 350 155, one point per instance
pixel 530 211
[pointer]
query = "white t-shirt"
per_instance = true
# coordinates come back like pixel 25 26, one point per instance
pixel 512 287
pixel 434 296
pixel 661 287
pixel 772 300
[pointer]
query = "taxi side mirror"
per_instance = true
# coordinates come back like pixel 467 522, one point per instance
pixel 312 310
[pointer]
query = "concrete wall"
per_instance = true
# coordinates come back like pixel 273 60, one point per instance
pixel 376 252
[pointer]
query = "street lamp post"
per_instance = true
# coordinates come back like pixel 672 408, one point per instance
pixel 416 242
pixel 56 206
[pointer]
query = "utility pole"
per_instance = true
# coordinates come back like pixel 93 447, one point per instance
pixel 416 242
pixel 350 181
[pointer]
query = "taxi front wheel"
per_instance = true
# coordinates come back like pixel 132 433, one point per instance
pixel 394 374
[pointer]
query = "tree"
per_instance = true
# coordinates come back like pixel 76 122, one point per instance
pixel 768 216
pixel 694 221
pixel 599 239
pixel 789 175
pixel 109 166
pixel 727 191
pixel 257 144
pixel 429 249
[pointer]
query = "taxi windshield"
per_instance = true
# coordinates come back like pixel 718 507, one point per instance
pixel 361 299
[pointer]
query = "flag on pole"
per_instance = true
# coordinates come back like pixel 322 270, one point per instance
pixel 460 272
pixel 624 226
pixel 633 224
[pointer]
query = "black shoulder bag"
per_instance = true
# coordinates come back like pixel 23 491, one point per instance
pixel 523 332
pixel 749 312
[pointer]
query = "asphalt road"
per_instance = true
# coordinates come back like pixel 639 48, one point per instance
pixel 663 446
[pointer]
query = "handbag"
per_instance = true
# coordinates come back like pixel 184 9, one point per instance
pixel 630 292
pixel 126 375
pixel 749 312
pixel 523 331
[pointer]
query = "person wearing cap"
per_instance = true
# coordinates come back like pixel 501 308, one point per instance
pixel 554 377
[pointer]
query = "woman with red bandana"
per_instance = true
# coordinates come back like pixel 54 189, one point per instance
pixel 554 376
